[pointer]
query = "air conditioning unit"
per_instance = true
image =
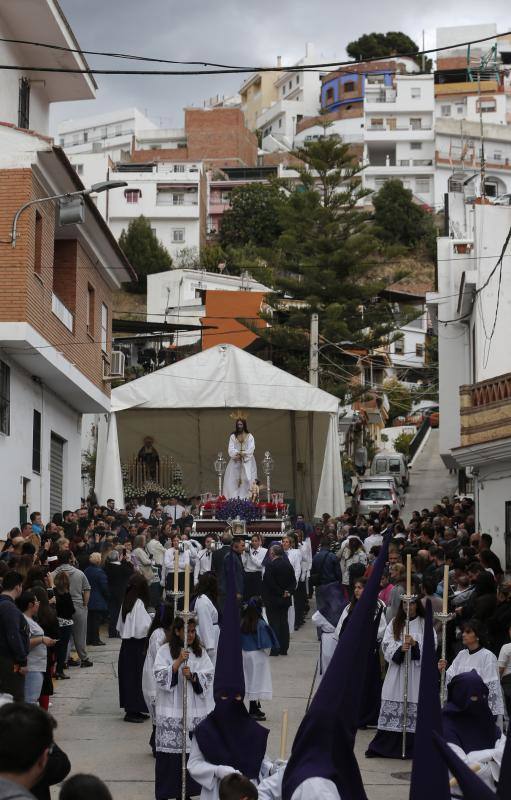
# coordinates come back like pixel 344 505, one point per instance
pixel 114 370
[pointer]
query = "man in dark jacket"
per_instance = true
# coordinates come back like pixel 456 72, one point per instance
pixel 217 565
pixel 118 572
pixel 14 638
pixel 325 565
pixel 278 584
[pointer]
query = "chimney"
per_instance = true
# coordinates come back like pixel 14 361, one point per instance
pixel 309 49
pixel 279 61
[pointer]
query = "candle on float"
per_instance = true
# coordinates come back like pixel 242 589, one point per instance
pixel 186 606
pixel 446 589
pixel 408 574
pixel 176 570
pixel 283 735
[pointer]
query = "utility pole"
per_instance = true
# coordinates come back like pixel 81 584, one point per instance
pixel 314 351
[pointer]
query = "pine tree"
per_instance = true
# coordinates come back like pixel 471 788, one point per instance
pixel 144 251
pixel 324 260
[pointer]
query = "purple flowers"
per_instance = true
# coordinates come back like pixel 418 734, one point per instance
pixel 244 509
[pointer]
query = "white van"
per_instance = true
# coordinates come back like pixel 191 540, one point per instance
pixel 391 464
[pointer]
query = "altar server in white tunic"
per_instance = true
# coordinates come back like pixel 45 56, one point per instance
pixel 241 470
pixel 184 558
pixel 174 668
pixel 133 626
pixel 323 763
pixel 158 634
pixel 257 639
pixel 205 606
pixel 388 740
pixel 475 656
pixel 252 559
pixel 228 740
pixel 204 557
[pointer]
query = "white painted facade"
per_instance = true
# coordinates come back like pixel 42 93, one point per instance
pixel 409 352
pixel 179 294
pixel 399 137
pixel 20 485
pixel 467 352
pixel 298 96
pixel 41 377
pixel 170 196
pixel 458 149
pixel 112 133
pixel 41 21
pixel 351 130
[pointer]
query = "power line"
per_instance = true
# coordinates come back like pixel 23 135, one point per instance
pixel 227 69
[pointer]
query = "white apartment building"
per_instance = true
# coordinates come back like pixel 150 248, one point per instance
pixel 179 294
pixel 471 311
pixel 112 133
pixel 399 137
pixel 458 151
pixel 173 197
pixel 298 96
pixel 25 99
pixel 56 283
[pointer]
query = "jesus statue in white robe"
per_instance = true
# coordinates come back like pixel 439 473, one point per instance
pixel 241 470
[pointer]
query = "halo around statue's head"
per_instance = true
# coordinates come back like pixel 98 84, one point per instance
pixel 239 414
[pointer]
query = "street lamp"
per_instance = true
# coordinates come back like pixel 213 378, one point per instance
pixel 220 466
pixel 267 465
pixel 102 186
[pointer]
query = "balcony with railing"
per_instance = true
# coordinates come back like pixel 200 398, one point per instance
pixel 485 410
pixel 62 312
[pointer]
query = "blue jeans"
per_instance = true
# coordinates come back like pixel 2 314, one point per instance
pixel 33 686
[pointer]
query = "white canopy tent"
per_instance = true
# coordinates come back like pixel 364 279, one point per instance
pixel 185 407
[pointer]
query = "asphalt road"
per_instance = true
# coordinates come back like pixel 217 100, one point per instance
pixel 429 478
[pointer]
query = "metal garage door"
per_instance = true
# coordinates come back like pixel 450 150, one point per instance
pixel 56 473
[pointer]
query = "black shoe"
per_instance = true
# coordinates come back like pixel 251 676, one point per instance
pixel 274 652
pixel 132 718
pixel 141 715
pixel 73 662
pixel 99 643
pixel 87 663
pixel 60 676
pixel 258 714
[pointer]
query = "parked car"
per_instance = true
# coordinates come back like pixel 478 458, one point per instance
pixel 394 464
pixel 502 200
pixel 372 496
pixel 392 481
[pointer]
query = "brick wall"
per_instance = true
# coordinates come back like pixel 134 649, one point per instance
pixel 217 136
pixel 27 297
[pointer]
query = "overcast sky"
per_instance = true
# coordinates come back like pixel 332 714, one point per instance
pixel 237 32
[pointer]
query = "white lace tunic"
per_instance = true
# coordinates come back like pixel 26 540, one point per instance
pixel 391 710
pixel 156 640
pixel 485 664
pixel 169 699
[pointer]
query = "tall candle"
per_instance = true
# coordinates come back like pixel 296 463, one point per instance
pixel 408 574
pixel 446 589
pixel 186 607
pixel 283 735
pixel 176 570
